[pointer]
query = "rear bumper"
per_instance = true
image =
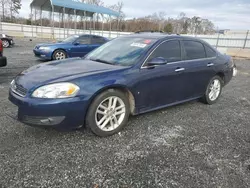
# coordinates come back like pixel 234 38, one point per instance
pixel 56 113
pixel 42 54
pixel 229 74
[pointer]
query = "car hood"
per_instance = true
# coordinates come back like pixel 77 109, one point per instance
pixel 57 70
pixel 50 44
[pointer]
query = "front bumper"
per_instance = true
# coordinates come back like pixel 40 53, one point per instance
pixel 56 113
pixel 42 54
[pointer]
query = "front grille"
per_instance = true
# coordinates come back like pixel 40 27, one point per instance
pixel 20 90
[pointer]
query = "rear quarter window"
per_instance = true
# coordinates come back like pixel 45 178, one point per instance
pixel 210 52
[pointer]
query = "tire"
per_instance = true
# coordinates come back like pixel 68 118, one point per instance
pixel 59 55
pixel 210 98
pixel 105 124
pixel 6 43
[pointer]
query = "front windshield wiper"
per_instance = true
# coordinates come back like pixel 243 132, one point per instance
pixel 101 61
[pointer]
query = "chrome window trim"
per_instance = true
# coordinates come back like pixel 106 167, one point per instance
pixel 176 62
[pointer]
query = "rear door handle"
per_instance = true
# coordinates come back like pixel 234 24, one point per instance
pixel 210 64
pixel 179 69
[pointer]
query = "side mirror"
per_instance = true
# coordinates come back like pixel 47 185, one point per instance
pixel 3 61
pixel 157 61
pixel 77 43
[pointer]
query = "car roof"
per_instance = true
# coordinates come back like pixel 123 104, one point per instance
pixel 88 35
pixel 159 36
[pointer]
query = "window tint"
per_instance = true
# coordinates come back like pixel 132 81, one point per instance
pixel 194 50
pixel 169 50
pixel 84 40
pixel 210 52
pixel 97 40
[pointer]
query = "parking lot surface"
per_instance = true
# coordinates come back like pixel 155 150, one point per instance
pixel 189 145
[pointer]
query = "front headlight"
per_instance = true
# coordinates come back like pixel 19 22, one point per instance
pixel 44 48
pixel 55 91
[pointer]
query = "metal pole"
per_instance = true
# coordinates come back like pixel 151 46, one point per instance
pixel 245 42
pixel 41 17
pixel 110 27
pixel 91 18
pixel 218 38
pixel 53 22
pixel 102 24
pixel 84 22
pixel 75 20
pixel 31 21
pixel 118 22
pixel 94 22
pixel 69 24
pixel 35 21
pixel 1 28
pixel 59 26
pixel 64 21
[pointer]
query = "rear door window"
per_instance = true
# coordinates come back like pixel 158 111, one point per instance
pixel 97 40
pixel 194 50
pixel 170 50
pixel 84 40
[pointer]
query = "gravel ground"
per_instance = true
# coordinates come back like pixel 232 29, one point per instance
pixel 189 145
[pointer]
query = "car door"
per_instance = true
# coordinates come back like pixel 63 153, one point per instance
pixel 165 84
pixel 81 46
pixel 96 41
pixel 199 62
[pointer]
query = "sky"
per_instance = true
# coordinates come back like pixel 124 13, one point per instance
pixel 225 14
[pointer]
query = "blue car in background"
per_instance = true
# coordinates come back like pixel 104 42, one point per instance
pixel 73 46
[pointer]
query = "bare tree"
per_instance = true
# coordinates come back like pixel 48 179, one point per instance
pixel 119 8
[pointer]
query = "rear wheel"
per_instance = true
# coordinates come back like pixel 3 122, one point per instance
pixel 59 55
pixel 213 91
pixel 108 113
pixel 6 43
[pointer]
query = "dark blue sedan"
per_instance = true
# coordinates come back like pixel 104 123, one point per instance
pixel 127 76
pixel 74 46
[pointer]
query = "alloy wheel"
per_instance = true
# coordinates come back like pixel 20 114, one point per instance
pixel 215 89
pixel 5 44
pixel 60 55
pixel 110 113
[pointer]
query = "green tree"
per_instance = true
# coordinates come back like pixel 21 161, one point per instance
pixel 168 28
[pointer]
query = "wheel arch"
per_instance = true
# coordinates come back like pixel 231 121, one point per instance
pixel 121 88
pixel 222 76
pixel 52 54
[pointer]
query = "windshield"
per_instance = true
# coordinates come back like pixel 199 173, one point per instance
pixel 121 51
pixel 71 38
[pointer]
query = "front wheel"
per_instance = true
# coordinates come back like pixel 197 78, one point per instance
pixel 213 91
pixel 108 113
pixel 59 55
pixel 6 43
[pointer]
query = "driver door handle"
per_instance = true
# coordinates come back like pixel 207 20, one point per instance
pixel 179 70
pixel 210 64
